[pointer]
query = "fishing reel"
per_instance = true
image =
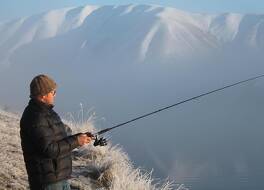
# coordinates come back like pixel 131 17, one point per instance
pixel 97 141
pixel 100 141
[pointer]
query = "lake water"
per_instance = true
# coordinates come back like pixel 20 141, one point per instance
pixel 213 143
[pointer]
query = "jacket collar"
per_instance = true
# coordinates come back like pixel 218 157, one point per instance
pixel 39 104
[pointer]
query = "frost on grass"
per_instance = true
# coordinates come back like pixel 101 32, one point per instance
pixel 93 167
pixel 12 173
pixel 107 167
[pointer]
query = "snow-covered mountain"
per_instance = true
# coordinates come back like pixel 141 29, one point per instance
pixel 119 41
pixel 143 32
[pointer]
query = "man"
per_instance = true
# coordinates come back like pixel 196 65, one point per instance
pixel 45 144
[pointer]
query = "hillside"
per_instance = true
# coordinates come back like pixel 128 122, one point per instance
pixel 93 168
pixel 143 32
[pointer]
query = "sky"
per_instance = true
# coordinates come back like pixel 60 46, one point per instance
pixel 11 9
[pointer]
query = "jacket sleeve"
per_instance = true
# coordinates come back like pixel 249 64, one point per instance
pixel 44 140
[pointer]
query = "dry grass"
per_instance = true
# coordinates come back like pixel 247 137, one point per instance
pixel 106 168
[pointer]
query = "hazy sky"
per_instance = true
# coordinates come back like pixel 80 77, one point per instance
pixel 16 8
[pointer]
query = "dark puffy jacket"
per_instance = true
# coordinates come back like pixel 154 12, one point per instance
pixel 46 146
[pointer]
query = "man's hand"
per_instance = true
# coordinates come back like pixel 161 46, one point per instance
pixel 83 139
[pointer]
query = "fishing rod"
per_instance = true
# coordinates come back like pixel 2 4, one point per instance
pixel 170 106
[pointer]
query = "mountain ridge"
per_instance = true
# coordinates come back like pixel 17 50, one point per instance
pixel 153 30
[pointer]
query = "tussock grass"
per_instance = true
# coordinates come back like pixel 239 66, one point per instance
pixel 108 167
pixel 104 168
